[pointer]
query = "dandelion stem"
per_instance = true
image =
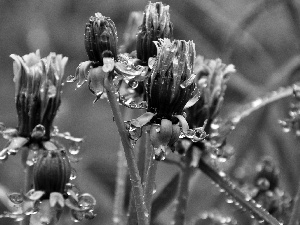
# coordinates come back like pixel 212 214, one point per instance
pixel 220 179
pixel 183 192
pixel 295 217
pixel 118 213
pixel 142 212
pixel 150 174
pixel 28 181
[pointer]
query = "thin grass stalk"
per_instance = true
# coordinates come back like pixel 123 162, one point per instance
pixel 183 192
pixel 246 202
pixel 142 212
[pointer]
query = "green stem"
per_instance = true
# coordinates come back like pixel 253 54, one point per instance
pixel 28 181
pixel 295 217
pixel 142 212
pixel 150 174
pixel 183 192
pixel 118 212
pixel 246 202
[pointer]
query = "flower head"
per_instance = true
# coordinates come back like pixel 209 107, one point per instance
pixel 168 89
pixel 212 76
pixel 100 36
pixel 171 82
pixel 156 25
pixel 38 84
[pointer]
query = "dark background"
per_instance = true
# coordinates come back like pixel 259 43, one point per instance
pixel 261 38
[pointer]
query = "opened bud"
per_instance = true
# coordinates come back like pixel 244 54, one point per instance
pixel 38 84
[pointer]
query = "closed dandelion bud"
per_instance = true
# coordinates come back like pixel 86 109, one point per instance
pixel 51 172
pixel 100 36
pixel 38 84
pixel 156 25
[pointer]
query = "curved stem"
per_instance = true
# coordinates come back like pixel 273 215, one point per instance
pixel 142 212
pixel 183 193
pixel 246 202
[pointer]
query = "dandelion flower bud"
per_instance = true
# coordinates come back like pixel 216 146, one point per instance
pixel 38 84
pixel 100 36
pixel 156 25
pixel 51 172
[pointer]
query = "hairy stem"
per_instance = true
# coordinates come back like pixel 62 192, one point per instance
pixel 183 192
pixel 246 202
pixel 142 212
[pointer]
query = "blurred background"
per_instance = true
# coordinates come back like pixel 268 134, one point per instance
pixel 260 37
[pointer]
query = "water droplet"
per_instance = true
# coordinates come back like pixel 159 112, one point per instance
pixel 229 200
pixel 38 132
pixel 71 78
pixel 86 201
pixel 3 154
pixel 74 148
pixel 116 220
pixel 286 127
pixel 73 174
pixel 16 198
pixel 133 84
pixel 51 91
pixel 154 189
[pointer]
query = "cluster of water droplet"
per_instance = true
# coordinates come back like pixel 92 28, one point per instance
pixel 215 218
pixel 293 122
pixel 134 132
pixel 81 205
pixel 132 104
pixel 195 135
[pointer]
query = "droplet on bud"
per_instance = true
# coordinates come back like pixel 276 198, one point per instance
pixel 16 198
pixel 86 201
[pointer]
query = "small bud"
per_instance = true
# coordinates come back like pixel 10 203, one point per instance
pixel 156 25
pixel 51 172
pixel 100 36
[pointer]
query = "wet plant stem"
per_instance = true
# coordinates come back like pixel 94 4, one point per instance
pixel 295 217
pixel 183 192
pixel 118 212
pixel 230 189
pixel 150 174
pixel 28 180
pixel 137 189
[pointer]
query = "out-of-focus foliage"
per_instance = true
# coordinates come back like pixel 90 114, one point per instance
pixel 260 37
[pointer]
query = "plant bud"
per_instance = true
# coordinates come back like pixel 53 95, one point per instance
pixel 156 25
pixel 51 172
pixel 100 36
pixel 38 84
